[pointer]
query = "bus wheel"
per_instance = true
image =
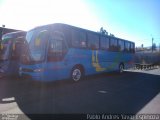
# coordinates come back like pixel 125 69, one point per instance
pixel 121 68
pixel 76 74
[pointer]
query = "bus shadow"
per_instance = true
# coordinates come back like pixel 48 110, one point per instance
pixel 12 88
pixel 126 93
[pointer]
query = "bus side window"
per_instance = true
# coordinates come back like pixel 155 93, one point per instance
pixel 127 46
pixel 120 45
pixel 57 48
pixel 79 39
pixel 93 41
pixel 113 44
pixel 104 43
pixel 132 48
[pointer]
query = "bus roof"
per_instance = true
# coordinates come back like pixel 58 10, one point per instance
pixel 74 27
pixel 14 34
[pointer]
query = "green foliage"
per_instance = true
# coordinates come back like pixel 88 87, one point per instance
pixel 103 31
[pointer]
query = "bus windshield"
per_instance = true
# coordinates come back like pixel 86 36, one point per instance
pixel 5 48
pixel 37 41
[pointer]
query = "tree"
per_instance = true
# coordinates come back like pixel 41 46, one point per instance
pixel 103 31
pixel 112 35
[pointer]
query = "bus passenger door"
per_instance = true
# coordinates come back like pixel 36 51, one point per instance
pixel 16 53
pixel 57 64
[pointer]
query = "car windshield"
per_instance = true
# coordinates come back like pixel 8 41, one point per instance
pixel 37 40
pixel 5 47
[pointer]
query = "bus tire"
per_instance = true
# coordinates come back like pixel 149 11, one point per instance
pixel 121 68
pixel 77 73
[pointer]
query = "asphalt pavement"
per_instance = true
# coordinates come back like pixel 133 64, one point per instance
pixel 133 92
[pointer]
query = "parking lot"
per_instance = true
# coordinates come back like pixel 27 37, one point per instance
pixel 133 92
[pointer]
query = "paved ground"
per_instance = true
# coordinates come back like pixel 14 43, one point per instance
pixel 134 92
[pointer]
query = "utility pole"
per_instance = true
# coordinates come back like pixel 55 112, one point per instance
pixel 152 43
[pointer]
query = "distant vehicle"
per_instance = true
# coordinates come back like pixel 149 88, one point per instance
pixel 60 51
pixel 10 50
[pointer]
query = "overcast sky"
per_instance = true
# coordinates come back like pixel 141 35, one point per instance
pixel 135 20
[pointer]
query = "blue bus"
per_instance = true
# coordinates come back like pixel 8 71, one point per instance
pixel 10 48
pixel 59 51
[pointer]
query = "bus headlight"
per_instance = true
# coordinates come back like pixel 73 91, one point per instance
pixel 38 70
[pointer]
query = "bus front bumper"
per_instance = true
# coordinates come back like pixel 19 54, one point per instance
pixel 31 76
